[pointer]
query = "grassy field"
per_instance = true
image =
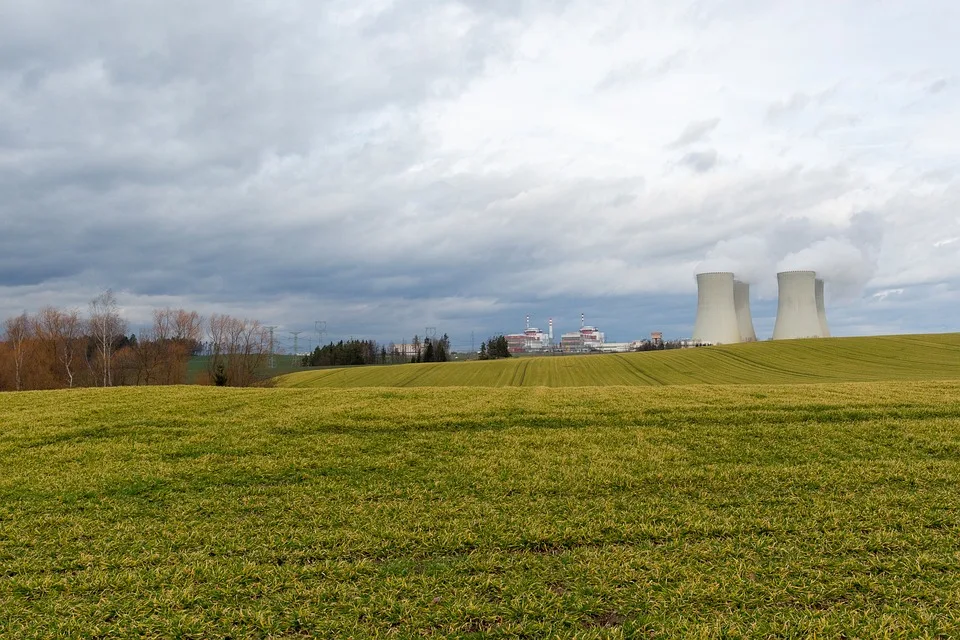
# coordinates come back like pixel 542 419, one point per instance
pixel 198 367
pixel 912 357
pixel 706 511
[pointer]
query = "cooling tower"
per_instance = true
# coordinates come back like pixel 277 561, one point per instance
pixel 822 310
pixel 741 302
pixel 716 312
pixel 797 308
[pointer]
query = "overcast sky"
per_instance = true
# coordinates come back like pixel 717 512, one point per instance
pixel 387 166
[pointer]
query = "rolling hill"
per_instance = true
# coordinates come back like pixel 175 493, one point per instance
pixel 827 511
pixel 906 357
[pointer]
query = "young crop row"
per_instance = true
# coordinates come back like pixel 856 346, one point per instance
pixel 818 509
pixel 795 361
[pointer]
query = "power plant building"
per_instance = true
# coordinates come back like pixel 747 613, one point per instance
pixel 822 310
pixel 587 339
pixel 799 306
pixel 531 340
pixel 717 321
pixel 741 301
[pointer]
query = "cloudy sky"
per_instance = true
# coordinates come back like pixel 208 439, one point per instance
pixel 385 166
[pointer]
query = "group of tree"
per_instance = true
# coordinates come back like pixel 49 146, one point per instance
pixel 493 348
pixel 660 345
pixel 431 349
pixel 61 348
pixel 351 352
pixel 363 352
pixel 239 350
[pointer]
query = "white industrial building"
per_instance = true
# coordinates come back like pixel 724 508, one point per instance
pixel 717 321
pixel 723 308
pixel 822 310
pixel 531 340
pixel 741 301
pixel 800 309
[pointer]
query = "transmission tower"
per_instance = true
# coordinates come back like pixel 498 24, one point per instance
pixel 271 362
pixel 321 328
pixel 296 350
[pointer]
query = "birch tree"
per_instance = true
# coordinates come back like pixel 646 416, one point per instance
pixel 63 330
pixel 105 326
pixel 18 331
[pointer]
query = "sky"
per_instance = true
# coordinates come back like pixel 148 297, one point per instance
pixel 387 166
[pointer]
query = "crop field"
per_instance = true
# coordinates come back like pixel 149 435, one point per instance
pixel 801 510
pixel 198 367
pixel 913 357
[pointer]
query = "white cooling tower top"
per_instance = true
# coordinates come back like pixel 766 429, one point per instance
pixel 797 306
pixel 822 310
pixel 716 310
pixel 741 299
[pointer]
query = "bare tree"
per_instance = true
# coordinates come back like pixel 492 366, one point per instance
pixel 18 331
pixel 145 356
pixel 63 330
pixel 105 326
pixel 185 333
pixel 239 349
pixel 176 334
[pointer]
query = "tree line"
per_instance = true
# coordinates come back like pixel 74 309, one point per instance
pixel 494 348
pixel 364 352
pixel 62 348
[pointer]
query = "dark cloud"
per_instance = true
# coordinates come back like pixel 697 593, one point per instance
pixel 641 70
pixel 938 85
pixel 700 161
pixel 695 132
pixel 796 102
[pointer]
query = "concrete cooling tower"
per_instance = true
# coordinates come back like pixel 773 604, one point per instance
pixel 741 302
pixel 716 311
pixel 822 310
pixel 797 315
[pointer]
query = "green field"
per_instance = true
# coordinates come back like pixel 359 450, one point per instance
pixel 911 357
pixel 823 510
pixel 198 367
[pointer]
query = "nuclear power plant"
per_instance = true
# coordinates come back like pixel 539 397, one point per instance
pixel 723 308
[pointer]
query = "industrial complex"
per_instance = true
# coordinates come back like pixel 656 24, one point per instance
pixel 723 317
pixel 588 339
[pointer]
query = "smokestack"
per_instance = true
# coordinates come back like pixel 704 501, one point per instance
pixel 527 325
pixel 716 311
pixel 822 310
pixel 741 302
pixel 581 320
pixel 797 306
pixel 550 329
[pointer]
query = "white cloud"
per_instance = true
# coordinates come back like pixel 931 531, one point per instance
pixel 461 160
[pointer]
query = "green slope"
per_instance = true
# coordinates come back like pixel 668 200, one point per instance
pixel 907 357
pixel 785 511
